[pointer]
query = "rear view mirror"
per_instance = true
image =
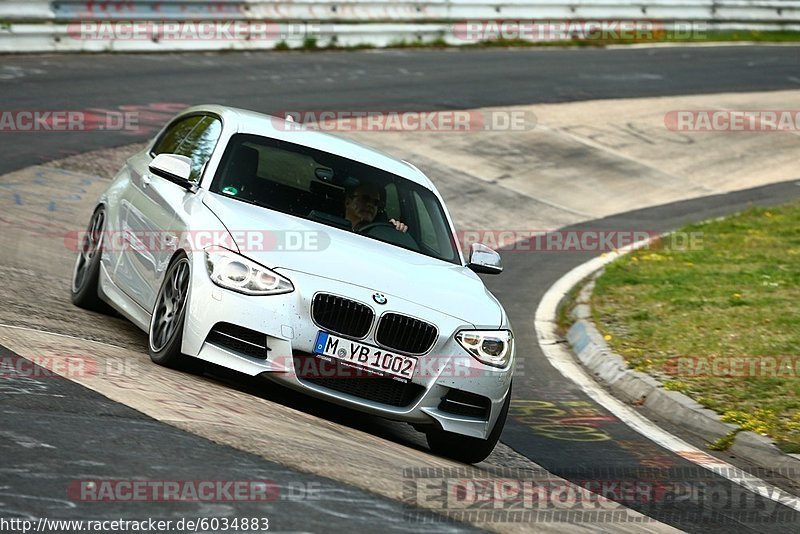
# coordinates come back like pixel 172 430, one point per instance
pixel 175 168
pixel 484 260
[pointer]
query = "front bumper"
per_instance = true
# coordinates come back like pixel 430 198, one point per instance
pixel 290 335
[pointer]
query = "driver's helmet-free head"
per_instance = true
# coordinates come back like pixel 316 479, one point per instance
pixel 365 201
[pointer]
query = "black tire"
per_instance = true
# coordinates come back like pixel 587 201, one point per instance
pixel 165 334
pixel 86 274
pixel 464 448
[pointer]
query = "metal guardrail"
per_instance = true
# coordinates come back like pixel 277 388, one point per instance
pixel 452 10
pixel 74 10
pixel 34 10
pixel 401 11
pixel 49 26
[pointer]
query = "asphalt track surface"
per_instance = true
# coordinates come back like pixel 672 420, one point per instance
pixel 383 80
pixel 55 432
pixel 378 80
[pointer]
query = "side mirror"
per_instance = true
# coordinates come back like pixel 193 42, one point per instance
pixel 177 169
pixel 484 260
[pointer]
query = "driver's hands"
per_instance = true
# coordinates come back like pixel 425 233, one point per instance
pixel 399 226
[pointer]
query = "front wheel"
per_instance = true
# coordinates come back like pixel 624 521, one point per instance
pixel 465 448
pixel 166 325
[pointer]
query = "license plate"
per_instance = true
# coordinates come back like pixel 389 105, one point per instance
pixel 361 355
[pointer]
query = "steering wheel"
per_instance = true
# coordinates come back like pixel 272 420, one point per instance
pixel 367 228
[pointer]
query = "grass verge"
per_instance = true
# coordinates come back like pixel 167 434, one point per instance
pixel 719 321
pixel 663 37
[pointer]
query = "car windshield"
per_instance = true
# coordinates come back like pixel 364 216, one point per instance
pixel 335 191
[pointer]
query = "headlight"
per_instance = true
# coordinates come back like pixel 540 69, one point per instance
pixel 232 271
pixel 492 347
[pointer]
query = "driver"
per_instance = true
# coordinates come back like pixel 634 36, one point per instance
pixel 361 207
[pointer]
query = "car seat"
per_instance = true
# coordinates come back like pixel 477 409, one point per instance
pixel 242 172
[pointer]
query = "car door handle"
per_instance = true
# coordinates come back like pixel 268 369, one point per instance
pixel 145 181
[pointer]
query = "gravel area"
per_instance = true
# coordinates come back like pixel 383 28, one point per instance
pixel 103 162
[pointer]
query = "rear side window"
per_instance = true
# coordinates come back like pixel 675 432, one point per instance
pixel 194 137
pixel 199 144
pixel 172 138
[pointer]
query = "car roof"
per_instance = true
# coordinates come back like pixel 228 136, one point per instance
pixel 251 122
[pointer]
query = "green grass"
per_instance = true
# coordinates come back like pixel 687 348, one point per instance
pixel 570 300
pixel 736 296
pixel 311 43
pixel 779 36
pixel 662 37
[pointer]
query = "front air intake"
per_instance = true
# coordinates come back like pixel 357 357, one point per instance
pixel 239 340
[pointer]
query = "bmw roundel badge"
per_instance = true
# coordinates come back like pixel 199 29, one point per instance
pixel 380 298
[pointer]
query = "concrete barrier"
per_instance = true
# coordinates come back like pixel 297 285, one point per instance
pixel 38 26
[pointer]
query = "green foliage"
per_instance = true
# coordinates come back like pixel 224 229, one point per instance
pixel 310 43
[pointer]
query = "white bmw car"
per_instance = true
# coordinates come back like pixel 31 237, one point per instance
pixel 271 249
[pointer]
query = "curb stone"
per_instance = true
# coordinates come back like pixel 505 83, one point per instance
pixel 642 389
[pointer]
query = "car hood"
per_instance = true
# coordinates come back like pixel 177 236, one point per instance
pixel 351 258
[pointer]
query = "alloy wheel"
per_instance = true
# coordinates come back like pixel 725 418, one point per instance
pixel 169 305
